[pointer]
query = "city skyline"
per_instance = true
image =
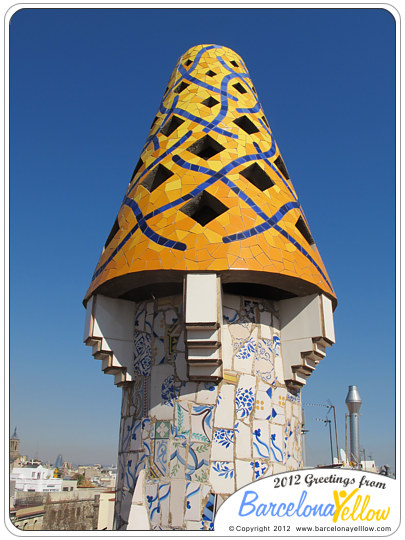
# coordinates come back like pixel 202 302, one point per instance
pixel 77 129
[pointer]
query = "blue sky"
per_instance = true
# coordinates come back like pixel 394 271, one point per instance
pixel 85 85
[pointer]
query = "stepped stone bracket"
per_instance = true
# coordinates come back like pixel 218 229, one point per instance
pixel 202 316
pixel 306 330
pixel 109 331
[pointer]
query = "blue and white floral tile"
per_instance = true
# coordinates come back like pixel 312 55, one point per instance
pixel 207 392
pixel 223 442
pixel 132 464
pixel 222 476
pixel 160 456
pixel 261 439
pixel 198 462
pixel 224 412
pixel 177 494
pixel 243 360
pixel 193 502
pixel 258 468
pixel 243 436
pixel 201 423
pixel 127 425
pixel 164 498
pixel 244 473
pixel 182 420
pixel 277 443
pixel 245 396
pixel 163 392
pixel 136 436
pixel 264 361
pixel 152 500
pixel 142 354
pixel 146 427
pixel 178 456
pixel 263 407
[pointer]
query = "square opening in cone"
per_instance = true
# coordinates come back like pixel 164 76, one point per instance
pixel 279 163
pixel 303 229
pixel 172 125
pixel 211 73
pixel 138 166
pixel 156 177
pixel 241 89
pixel 247 125
pixel 257 176
pixel 210 102
pixel 206 147
pixel 235 64
pixel 182 86
pixel 203 208
pixel 113 232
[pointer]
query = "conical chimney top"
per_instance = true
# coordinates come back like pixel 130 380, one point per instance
pixel 210 193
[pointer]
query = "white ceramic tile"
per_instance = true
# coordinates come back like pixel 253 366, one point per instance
pixel 137 497
pixel 244 473
pixel 138 519
pixel 224 414
pixel 207 393
pixel 136 436
pixel 164 499
pixel 279 468
pixel 226 348
pixel 243 436
pixel 187 391
pixel 265 331
pixel 240 331
pixel 181 365
pixel 177 498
